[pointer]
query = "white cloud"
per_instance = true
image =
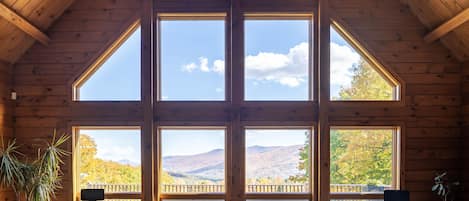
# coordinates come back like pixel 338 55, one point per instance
pixel 219 66
pixel 204 64
pixel 343 59
pixel 288 69
pixel 189 67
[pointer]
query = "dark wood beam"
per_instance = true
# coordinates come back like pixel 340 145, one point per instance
pixel 23 24
pixel 448 26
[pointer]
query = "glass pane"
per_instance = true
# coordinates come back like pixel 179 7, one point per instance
pixel 352 76
pixel 277 161
pixel 276 59
pixel 193 60
pixel 193 161
pixel 118 77
pixel 361 160
pixel 110 160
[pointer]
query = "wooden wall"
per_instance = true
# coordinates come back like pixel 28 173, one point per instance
pixel 431 114
pixel 6 114
pixel 43 73
pixel 465 127
pixel 432 88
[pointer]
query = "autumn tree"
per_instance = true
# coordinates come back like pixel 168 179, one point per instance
pixel 94 170
pixel 359 156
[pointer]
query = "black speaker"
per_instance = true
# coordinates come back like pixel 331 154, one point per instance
pixel 396 195
pixel 92 194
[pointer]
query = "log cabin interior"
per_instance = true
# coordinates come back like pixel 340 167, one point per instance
pixel 240 100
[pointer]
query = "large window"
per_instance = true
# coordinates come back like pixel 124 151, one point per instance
pixel 234 106
pixel 115 76
pixel 193 160
pixel 109 158
pixel 278 160
pixel 277 59
pixel 192 59
pixel 363 159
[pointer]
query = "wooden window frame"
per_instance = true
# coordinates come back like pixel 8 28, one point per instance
pixel 75 150
pixel 169 16
pixel 234 113
pixel 215 195
pixel 312 165
pixel 105 54
pixel 396 160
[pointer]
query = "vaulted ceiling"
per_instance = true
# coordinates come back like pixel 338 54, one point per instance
pixel 452 16
pixel 23 22
pixel 14 41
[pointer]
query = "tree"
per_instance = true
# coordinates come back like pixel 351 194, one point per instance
pixel 358 156
pixel 304 164
pixel 367 84
pixel 94 170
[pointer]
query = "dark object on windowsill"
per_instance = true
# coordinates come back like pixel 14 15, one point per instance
pixel 396 195
pixel 92 194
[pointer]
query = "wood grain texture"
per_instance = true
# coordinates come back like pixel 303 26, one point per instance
pixel 13 41
pixel 6 114
pixel 431 114
pixel 433 13
pixel 448 26
pixel 23 24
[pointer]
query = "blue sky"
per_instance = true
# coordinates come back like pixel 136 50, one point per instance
pixel 193 68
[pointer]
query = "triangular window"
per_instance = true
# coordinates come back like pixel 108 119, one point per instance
pixel 355 75
pixel 115 76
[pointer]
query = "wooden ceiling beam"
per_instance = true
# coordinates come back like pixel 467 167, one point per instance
pixel 23 24
pixel 448 26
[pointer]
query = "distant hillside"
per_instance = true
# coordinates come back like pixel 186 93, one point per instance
pixel 264 162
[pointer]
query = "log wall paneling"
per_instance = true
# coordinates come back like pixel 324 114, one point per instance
pixel 85 29
pixel 6 114
pixel 430 114
pixel 435 13
pixel 13 41
pixel 465 129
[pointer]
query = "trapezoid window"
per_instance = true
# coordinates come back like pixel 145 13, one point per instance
pixel 115 76
pixel 354 74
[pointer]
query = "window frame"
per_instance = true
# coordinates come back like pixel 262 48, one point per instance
pixel 311 72
pixel 91 68
pixel 390 77
pixel 234 113
pixel 75 130
pixel 196 16
pixel 396 161
pixel 227 154
pixel 312 164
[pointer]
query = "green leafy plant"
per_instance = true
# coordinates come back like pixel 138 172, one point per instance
pixel 444 187
pixel 35 180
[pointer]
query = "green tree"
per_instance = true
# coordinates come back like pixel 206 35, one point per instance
pixel 367 84
pixel 357 156
pixel 94 170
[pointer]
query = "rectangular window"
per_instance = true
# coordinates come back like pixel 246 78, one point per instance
pixel 278 160
pixel 193 161
pixel 192 60
pixel 109 159
pixel 363 159
pixel 277 62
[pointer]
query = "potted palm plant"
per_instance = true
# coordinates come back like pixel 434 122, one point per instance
pixel 33 180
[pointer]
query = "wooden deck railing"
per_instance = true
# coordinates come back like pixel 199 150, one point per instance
pixel 251 188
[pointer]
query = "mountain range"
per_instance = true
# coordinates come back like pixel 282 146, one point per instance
pixel 262 162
